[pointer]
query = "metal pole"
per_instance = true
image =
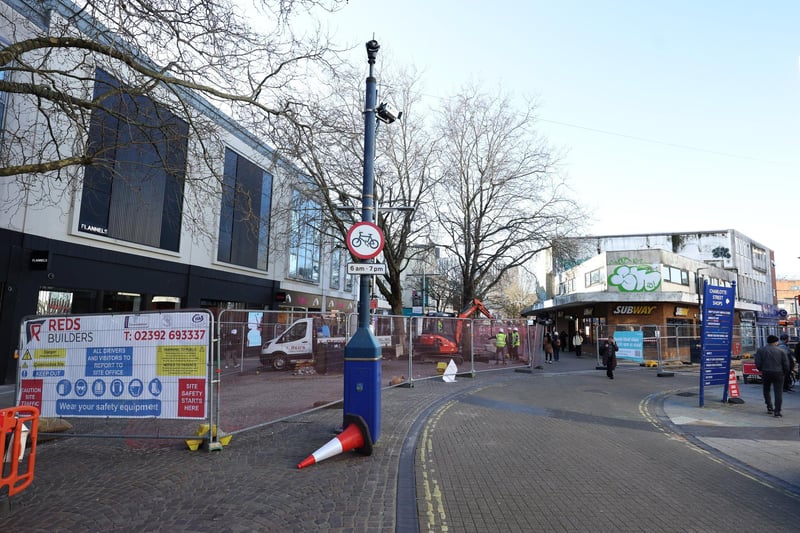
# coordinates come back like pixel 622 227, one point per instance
pixel 424 299
pixel 362 354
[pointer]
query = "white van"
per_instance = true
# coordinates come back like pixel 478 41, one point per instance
pixel 299 343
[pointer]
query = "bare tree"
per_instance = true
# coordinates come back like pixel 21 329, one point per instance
pixel 328 145
pixel 500 199
pixel 518 291
pixel 173 64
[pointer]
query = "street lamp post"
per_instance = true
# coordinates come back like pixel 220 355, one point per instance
pixel 362 354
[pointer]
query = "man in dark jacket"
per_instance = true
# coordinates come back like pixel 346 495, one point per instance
pixel 608 350
pixel 773 364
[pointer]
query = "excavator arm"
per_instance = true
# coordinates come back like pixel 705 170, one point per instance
pixel 473 307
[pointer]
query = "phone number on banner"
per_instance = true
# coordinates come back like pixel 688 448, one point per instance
pixel 165 334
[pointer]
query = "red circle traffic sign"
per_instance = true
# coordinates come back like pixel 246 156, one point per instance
pixel 365 240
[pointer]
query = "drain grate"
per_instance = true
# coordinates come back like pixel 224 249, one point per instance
pixel 687 394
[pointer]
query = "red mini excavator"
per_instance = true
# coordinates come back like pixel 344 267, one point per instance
pixel 441 337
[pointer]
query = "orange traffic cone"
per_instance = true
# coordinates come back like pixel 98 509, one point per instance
pixel 354 437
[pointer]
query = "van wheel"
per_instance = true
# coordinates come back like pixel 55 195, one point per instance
pixel 279 362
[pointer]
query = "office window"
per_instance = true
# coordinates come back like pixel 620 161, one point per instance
pixel 593 278
pixel 304 247
pixel 134 189
pixel 244 213
pixel 674 275
pixel 3 101
pixel 336 268
pixel 567 286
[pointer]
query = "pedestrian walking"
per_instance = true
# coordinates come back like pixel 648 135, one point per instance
pixel 577 342
pixel 556 347
pixel 514 346
pixel 231 343
pixel 609 350
pixel 548 348
pixel 788 380
pixel 773 363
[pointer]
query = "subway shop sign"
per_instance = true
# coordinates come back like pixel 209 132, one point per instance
pixel 116 365
pixel 634 309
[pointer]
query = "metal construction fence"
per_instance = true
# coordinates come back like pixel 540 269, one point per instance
pixel 154 378
pixel 678 343
pixel 160 378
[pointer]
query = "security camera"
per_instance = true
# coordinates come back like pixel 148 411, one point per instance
pixel 372 52
pixel 387 114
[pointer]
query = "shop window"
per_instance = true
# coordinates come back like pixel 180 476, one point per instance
pixel 54 303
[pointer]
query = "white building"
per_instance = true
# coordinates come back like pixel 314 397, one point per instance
pixel 655 279
pixel 147 229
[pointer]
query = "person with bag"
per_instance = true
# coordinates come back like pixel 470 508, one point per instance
pixel 773 364
pixel 609 351
pixel 577 342
pixel 548 348
pixel 556 347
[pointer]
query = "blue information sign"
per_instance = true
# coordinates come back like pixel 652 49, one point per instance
pixel 718 306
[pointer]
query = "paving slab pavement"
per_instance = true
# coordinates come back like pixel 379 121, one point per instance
pixel 254 485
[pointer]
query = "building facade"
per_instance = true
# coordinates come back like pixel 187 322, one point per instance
pixel 788 296
pixel 137 233
pixel 656 280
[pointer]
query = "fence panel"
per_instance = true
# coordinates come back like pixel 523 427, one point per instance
pixel 677 344
pixel 470 343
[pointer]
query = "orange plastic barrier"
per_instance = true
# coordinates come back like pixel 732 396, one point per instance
pixel 19 426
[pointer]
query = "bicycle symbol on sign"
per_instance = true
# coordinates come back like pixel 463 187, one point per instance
pixel 365 238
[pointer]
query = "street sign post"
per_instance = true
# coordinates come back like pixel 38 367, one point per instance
pixel 718 308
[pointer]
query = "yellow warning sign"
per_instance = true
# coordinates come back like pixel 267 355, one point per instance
pixel 181 360
pixel 27 355
pixel 50 358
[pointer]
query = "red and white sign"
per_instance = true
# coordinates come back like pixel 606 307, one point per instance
pixel 192 400
pixel 733 385
pixel 365 240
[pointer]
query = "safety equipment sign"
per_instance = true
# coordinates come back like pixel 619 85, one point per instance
pixel 116 365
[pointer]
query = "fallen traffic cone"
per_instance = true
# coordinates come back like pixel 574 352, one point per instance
pixel 354 437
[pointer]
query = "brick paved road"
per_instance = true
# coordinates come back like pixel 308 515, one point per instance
pixel 505 451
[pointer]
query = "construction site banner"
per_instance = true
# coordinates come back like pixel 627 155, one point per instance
pixel 151 364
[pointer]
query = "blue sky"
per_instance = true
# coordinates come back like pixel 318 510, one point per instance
pixel 673 116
